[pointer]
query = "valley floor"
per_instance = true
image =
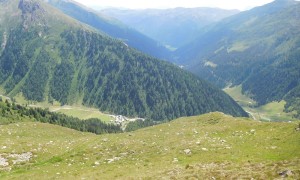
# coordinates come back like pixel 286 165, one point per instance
pixel 211 146
pixel 270 112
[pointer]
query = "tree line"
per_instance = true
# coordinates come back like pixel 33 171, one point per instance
pixel 11 113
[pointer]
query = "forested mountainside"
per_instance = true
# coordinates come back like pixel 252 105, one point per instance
pixel 173 27
pixel 47 56
pixel 259 49
pixel 112 27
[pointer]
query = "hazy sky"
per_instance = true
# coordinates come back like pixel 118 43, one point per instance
pixel 142 4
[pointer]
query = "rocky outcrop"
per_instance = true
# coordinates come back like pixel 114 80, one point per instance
pixel 29 6
pixel 32 12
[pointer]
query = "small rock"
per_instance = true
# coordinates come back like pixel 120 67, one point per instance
pixel 198 142
pixel 252 131
pixel 175 160
pixel 97 163
pixel 290 173
pixel 3 162
pixel 123 154
pixel 286 173
pixel 189 166
pixel 223 141
pixel 19 158
pixel 113 159
pixel 204 149
pixel 273 147
pixel 187 151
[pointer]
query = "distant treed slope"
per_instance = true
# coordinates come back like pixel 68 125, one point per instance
pixel 64 61
pixel 112 27
pixel 293 101
pixel 278 79
pixel 258 49
pixel 123 81
pixel 174 27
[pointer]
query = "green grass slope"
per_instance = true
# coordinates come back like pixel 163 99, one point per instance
pixel 209 146
pixel 49 57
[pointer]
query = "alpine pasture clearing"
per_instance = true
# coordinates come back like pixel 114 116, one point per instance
pixel 213 145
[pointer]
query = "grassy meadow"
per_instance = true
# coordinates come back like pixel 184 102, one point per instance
pixel 273 111
pixel 209 146
pixel 81 112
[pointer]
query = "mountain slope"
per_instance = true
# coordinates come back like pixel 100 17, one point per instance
pixel 48 56
pixel 173 27
pixel 201 147
pixel 258 49
pixel 112 27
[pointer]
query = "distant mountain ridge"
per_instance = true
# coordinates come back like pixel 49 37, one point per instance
pixel 258 48
pixel 112 27
pixel 48 56
pixel 174 27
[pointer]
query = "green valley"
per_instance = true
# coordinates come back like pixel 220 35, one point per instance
pixel 273 111
pixel 80 99
pixel 256 49
pixel 51 57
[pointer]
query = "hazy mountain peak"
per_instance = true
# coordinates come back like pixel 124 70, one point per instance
pixel 283 1
pixel 278 5
pixel 173 27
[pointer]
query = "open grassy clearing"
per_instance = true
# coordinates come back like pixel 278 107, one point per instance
pixel 81 112
pixel 211 145
pixel 78 112
pixel 270 112
pixel 238 47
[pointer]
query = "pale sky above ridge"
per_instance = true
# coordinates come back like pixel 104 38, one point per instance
pixel 162 4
